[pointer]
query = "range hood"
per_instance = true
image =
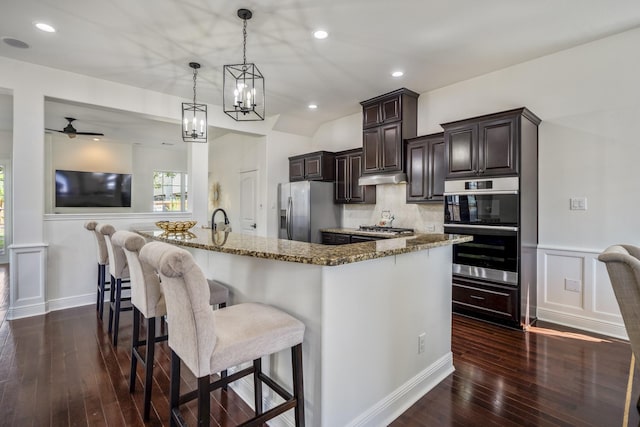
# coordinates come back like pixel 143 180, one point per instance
pixel 387 178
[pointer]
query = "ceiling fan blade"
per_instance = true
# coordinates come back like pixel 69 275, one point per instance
pixel 54 130
pixel 90 133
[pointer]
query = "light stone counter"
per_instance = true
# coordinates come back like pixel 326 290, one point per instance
pixel 302 252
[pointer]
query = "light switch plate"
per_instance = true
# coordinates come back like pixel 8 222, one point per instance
pixel 578 204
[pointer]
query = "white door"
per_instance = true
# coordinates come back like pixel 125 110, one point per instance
pixel 248 201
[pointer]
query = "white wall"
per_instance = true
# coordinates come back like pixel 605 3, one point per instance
pixel 6 144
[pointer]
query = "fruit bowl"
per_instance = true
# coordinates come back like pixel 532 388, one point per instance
pixel 176 226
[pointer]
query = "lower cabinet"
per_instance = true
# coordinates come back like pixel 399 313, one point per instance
pixel 335 239
pixel 490 302
pixel 329 238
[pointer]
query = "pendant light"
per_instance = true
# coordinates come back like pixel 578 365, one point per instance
pixel 194 116
pixel 243 84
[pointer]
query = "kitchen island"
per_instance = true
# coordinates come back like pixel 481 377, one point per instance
pixel 365 307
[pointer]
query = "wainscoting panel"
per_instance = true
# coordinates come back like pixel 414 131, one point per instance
pixel 27 268
pixel 574 290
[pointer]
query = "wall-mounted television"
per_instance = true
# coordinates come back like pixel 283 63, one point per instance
pixel 75 189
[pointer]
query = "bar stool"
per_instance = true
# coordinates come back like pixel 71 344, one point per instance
pixel 103 260
pixel 214 340
pixel 119 274
pixel 147 300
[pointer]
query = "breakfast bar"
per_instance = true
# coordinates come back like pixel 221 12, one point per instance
pixel 377 315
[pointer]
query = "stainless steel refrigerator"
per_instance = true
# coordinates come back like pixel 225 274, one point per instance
pixel 305 207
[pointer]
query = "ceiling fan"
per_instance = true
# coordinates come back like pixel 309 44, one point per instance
pixel 71 132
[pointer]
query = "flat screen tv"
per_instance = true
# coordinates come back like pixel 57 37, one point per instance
pixel 76 189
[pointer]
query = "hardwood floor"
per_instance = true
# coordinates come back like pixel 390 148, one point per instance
pixel 61 369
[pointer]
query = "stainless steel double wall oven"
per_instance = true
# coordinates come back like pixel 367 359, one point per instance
pixel 488 272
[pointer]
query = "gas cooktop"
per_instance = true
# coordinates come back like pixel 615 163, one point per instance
pixel 388 230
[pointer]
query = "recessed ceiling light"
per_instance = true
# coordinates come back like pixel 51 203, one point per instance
pixel 320 34
pixel 45 27
pixel 96 139
pixel 15 43
pixel 397 74
pixel 313 106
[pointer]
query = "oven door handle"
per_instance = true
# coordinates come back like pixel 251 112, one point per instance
pixel 482 227
pixel 480 192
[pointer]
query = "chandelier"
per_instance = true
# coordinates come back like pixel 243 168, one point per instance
pixel 194 115
pixel 243 84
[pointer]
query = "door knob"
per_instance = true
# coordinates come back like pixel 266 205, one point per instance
pixel 253 225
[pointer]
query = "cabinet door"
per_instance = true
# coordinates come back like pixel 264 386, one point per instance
pixel 391 140
pixel 461 151
pixel 296 169
pixel 416 173
pixel 436 169
pixel 371 150
pixel 313 167
pixel 371 115
pixel 498 149
pixel 356 192
pixel 390 110
pixel 342 179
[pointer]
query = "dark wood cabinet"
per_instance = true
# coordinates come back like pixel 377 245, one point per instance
pixel 329 238
pixel 425 168
pixel 484 146
pixel 386 121
pixel 348 170
pixel 490 302
pixel 335 238
pixel 317 166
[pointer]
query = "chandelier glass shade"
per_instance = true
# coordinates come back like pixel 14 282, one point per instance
pixel 194 115
pixel 243 84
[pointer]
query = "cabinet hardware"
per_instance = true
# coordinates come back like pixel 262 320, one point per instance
pixel 476 297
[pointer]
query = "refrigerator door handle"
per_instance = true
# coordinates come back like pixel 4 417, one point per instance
pixel 288 221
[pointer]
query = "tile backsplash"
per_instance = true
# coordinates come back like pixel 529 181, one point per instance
pixel 424 218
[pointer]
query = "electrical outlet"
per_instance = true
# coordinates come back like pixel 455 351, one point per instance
pixel 421 339
pixel 572 285
pixel 578 204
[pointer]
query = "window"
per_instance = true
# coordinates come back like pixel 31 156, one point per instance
pixel 169 191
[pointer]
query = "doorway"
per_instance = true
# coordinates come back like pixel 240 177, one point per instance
pixel 248 201
pixel 5 217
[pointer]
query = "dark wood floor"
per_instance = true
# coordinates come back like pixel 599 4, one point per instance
pixel 61 369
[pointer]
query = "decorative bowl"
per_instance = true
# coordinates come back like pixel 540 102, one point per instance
pixel 176 226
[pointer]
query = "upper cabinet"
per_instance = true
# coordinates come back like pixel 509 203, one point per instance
pixel 425 168
pixel 485 146
pixel 348 170
pixel 386 121
pixel 317 166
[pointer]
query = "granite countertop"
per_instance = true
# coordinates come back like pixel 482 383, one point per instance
pixel 301 252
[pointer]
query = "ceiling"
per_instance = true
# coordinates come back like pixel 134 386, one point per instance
pixel 148 44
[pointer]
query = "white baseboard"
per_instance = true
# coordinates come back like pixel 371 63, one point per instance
pixel 23 311
pixel 397 402
pixel 584 323
pixel 71 302
pixel 381 413
pixel 51 305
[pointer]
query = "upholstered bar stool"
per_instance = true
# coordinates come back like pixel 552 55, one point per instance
pixel 147 300
pixel 214 340
pixel 623 267
pixel 119 270
pixel 103 260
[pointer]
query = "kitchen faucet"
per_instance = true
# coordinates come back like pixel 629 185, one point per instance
pixel 214 227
